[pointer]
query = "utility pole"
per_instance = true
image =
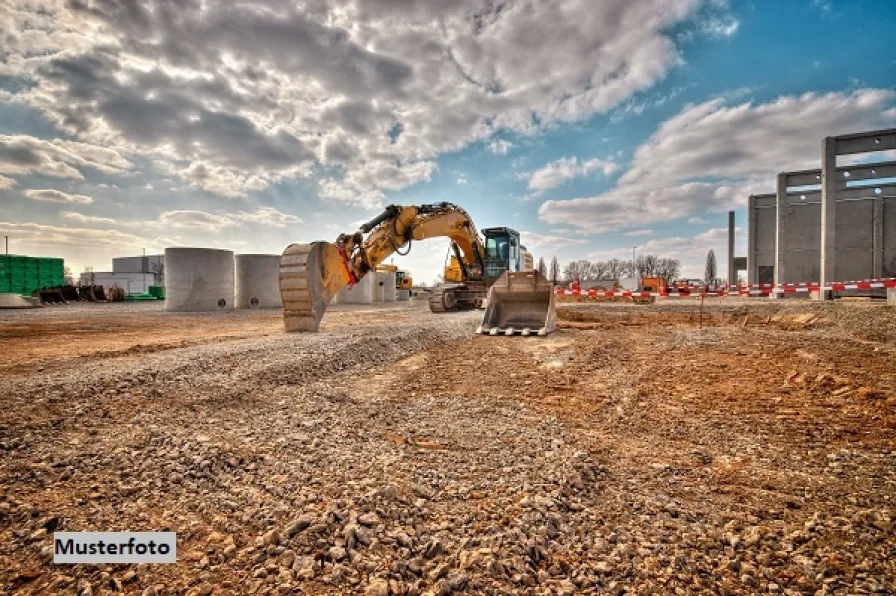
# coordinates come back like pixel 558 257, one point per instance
pixel 634 272
pixel 7 244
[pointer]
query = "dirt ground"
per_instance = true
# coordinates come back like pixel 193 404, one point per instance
pixel 640 449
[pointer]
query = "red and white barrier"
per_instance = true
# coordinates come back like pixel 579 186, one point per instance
pixel 740 290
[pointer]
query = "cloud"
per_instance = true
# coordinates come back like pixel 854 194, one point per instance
pixel 499 146
pixel 268 216
pixel 375 90
pixel 33 234
pixel 203 221
pixel 6 183
pixel 557 172
pixel 195 220
pixel 712 156
pixel 639 233
pixel 80 218
pixel 57 196
pixel 23 154
pixel 533 240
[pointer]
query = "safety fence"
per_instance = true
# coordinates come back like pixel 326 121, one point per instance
pixel 740 290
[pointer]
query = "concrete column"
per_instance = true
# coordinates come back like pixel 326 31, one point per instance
pixel 732 274
pixel 891 296
pixel 752 261
pixel 877 239
pixel 828 210
pixel 780 230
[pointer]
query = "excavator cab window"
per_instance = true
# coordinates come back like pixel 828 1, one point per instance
pixel 502 251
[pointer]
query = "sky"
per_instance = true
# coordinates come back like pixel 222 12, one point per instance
pixel 590 127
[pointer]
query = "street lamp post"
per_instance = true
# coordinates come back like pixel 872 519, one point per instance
pixel 634 271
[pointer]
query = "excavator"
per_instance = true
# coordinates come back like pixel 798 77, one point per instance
pixel 491 274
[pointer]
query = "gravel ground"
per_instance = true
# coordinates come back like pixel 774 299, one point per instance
pixel 631 452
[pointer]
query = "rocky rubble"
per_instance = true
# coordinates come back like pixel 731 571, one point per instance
pixel 414 459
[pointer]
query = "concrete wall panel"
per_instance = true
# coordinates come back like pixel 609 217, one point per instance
pixel 889 238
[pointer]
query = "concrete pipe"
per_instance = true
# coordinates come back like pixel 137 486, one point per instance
pixel 198 279
pixel 257 279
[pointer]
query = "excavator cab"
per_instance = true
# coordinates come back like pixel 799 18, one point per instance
pixel 502 252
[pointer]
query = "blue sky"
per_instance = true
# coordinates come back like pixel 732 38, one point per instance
pixel 590 127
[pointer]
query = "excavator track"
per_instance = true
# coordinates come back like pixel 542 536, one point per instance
pixel 454 298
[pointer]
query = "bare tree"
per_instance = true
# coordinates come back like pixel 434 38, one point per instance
pixel 709 273
pixel 646 266
pixel 542 266
pixel 90 277
pixel 577 270
pixel 555 270
pixel 158 273
pixel 617 268
pixel 598 270
pixel 668 269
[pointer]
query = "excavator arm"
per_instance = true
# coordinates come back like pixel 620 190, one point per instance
pixel 311 274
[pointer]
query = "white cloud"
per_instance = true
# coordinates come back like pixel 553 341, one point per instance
pixel 461 179
pixel 638 233
pixel 203 221
pixel 532 240
pixel 87 219
pixel 195 220
pixel 499 146
pixel 711 157
pixel 32 234
pixel 268 216
pixel 374 89
pixel 695 219
pixel 558 172
pixel 6 183
pixel 23 154
pixel 57 196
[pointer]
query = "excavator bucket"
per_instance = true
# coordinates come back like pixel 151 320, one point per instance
pixel 520 302
pixel 310 275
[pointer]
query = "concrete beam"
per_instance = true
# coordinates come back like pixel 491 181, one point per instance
pixel 863 142
pixel 780 229
pixel 751 240
pixel 828 210
pixel 868 192
pixel 884 169
pixel 732 273
pixel 877 239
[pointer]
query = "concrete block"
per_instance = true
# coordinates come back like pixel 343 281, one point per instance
pixel 891 296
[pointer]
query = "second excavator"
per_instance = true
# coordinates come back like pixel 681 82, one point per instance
pixel 491 271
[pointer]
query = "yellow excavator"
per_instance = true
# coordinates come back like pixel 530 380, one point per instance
pixel 491 275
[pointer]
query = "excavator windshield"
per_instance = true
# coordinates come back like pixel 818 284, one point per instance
pixel 502 251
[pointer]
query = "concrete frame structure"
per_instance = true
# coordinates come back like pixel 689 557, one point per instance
pixel 818 227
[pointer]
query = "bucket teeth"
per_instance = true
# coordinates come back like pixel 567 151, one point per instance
pixel 520 302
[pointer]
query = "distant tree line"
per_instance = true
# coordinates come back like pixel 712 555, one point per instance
pixel 644 266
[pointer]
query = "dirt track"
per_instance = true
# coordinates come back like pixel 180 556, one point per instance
pixel 632 451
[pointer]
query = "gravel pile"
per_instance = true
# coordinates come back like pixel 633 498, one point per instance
pixel 413 458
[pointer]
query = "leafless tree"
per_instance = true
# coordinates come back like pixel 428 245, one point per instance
pixel 598 270
pixel 542 266
pixel 709 273
pixel 555 270
pixel 617 268
pixel 645 266
pixel 574 270
pixel 668 269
